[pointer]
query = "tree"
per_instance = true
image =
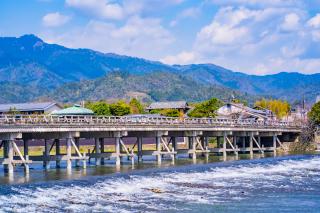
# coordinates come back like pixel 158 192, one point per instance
pixel 314 114
pixel 120 108
pixel 13 111
pixel 136 106
pixel 170 112
pixel 99 108
pixel 206 109
pixel 278 107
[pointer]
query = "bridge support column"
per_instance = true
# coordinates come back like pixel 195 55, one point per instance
pixel 174 144
pixel 25 148
pixel 46 155
pixel 235 145
pixel 69 153
pixel 117 150
pixel 102 149
pixel 58 152
pixel 244 145
pixel 26 154
pixel 195 144
pixel 251 144
pixel 224 147
pixel 8 156
pixel 97 151
pixel 158 148
pixel 77 144
pixel 274 140
pixel 139 139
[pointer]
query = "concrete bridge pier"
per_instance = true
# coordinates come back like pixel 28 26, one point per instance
pixel 46 155
pixel 97 151
pixel 274 141
pixel 9 148
pixel 158 148
pixel 8 156
pixel 101 150
pixel 117 150
pixel 58 152
pixel 224 146
pixel 251 145
pixel 26 154
pixel 77 144
pixel 140 142
pixel 69 153
pixel 174 145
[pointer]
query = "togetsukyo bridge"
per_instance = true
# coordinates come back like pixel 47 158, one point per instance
pixel 233 136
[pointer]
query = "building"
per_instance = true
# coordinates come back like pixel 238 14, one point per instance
pixel 240 111
pixel 29 108
pixel 182 106
pixel 298 114
pixel 74 110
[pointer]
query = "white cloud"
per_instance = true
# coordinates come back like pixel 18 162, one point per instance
pixel 99 8
pixel 291 22
pixel 113 10
pixel 181 58
pixel 314 21
pixel 54 19
pixel 260 3
pixel 139 37
pixel 226 29
pixel 192 12
pixel 257 41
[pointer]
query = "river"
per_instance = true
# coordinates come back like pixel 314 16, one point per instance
pixel 271 184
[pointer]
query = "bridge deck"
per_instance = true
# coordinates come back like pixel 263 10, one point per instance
pixel 46 123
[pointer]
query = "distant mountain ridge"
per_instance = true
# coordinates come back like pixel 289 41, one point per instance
pixel 37 69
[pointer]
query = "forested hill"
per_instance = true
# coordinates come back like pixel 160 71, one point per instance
pixel 155 86
pixel 31 68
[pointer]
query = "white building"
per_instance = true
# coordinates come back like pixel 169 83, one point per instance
pixel 239 111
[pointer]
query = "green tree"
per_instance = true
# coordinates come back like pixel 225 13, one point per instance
pixel 314 114
pixel 206 109
pixel 170 112
pixel 13 111
pixel 120 108
pixel 136 106
pixel 278 107
pixel 99 108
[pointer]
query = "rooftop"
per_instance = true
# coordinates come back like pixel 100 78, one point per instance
pixel 169 105
pixel 22 107
pixel 74 110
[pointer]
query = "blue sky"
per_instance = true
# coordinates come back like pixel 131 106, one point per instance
pixel 251 36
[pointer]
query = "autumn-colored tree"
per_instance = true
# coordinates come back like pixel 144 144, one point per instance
pixel 120 108
pixel 136 106
pixel 278 107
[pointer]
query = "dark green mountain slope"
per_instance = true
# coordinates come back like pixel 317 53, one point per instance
pixel 156 86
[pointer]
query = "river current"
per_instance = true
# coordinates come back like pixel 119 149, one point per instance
pixel 281 184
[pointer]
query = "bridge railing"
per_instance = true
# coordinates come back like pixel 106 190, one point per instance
pixel 114 120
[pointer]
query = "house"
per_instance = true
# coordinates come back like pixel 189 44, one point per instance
pixel 240 111
pixel 182 106
pixel 74 110
pixel 29 108
pixel 298 114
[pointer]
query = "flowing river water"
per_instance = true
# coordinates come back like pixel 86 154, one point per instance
pixel 271 184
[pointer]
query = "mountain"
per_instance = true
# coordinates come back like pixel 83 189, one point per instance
pixel 155 86
pixel 31 68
